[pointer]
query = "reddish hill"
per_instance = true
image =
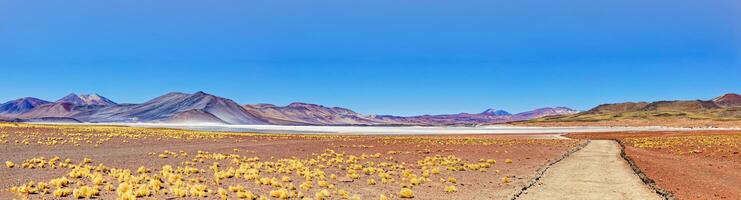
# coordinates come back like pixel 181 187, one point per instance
pixel 63 109
pixel 689 106
pixel 728 100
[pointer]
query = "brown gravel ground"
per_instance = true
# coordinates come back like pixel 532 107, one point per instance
pixel 130 148
pixel 692 165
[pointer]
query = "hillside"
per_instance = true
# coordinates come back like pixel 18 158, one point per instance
pixel 308 114
pixel 728 100
pixel 21 105
pixel 86 99
pixel 165 107
pixel 694 113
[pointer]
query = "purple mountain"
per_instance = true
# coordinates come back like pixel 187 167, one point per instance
pixel 21 105
pixel 86 99
pixel 308 114
pixel 201 107
pixel 492 111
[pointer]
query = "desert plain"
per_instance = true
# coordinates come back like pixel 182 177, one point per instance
pixel 120 162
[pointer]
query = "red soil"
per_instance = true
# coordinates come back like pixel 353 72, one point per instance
pixel 692 165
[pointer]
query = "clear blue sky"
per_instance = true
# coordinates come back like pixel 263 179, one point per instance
pixel 380 56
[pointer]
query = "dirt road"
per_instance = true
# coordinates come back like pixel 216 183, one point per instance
pixel 595 172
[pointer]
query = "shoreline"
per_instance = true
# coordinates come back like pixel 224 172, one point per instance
pixel 396 130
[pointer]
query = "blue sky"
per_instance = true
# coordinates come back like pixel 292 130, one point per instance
pixel 381 56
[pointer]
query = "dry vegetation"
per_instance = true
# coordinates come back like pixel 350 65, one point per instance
pixel 108 162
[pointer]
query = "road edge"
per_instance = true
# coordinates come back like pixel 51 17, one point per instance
pixel 539 174
pixel 663 193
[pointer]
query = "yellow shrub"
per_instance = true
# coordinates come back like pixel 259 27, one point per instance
pixel 246 195
pixel 451 189
pixel 281 194
pixel 306 186
pixel 142 170
pixel 323 184
pixel 406 193
pixel 237 188
pixel 62 192
pixel 77 194
pixel 98 180
pixel 123 188
pixel 42 186
pixel 353 175
pixel 323 194
pixel 179 191
pixel 60 182
pixel 223 193
pixel 88 192
pixel 127 196
pixel 415 181
pixel 142 192
pixel 343 193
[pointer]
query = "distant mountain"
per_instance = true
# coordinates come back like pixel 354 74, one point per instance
pixel 165 107
pixel 21 105
pixel 308 114
pixel 617 108
pixel 722 110
pixel 172 107
pixel 492 111
pixel 201 107
pixel 62 109
pixel 445 119
pixel 544 112
pixel 86 99
pixel 489 116
pixel 728 100
pixel 688 106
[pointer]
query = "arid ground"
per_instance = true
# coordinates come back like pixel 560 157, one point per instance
pixel 691 165
pixel 117 162
pixel 108 162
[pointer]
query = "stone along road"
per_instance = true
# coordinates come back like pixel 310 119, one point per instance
pixel 595 172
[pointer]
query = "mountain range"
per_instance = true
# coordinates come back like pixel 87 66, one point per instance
pixel 201 107
pixel 724 110
pixel 486 117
